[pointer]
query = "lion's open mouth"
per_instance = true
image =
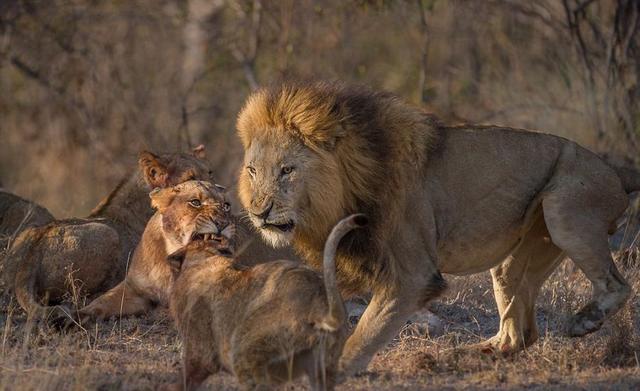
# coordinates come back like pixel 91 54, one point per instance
pixel 286 227
pixel 200 236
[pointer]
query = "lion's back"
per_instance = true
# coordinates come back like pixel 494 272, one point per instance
pixel 62 250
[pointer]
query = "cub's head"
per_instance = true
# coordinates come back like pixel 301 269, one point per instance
pixel 200 251
pixel 193 211
pixel 302 169
pixel 169 169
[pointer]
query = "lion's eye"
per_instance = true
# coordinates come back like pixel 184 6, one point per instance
pixel 251 170
pixel 286 170
pixel 226 206
pixel 195 203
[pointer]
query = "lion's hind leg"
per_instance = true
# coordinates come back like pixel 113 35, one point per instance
pixel 578 221
pixel 516 284
pixel 199 361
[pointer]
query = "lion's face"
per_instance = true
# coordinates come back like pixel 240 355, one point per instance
pixel 193 210
pixel 273 186
pixel 282 186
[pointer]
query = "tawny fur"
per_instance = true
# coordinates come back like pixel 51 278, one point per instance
pixel 149 278
pixel 267 324
pixel 459 199
pixel 48 264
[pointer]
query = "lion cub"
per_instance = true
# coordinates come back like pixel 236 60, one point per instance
pixel 267 324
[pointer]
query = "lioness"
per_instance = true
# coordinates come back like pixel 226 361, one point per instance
pixel 181 210
pixel 267 324
pixel 93 251
pixel 456 199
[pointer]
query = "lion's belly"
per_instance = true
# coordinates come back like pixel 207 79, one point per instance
pixel 481 184
pixel 464 255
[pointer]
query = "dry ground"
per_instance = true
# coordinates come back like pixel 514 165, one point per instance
pixel 142 353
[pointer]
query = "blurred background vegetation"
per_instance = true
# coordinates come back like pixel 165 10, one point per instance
pixel 86 84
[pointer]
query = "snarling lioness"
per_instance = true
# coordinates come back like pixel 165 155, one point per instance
pixel 267 324
pixel 185 212
pixel 85 256
pixel 459 200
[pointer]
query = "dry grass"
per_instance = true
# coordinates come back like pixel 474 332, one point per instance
pixel 142 353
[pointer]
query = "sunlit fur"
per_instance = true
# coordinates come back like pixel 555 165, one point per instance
pixel 149 277
pixel 354 150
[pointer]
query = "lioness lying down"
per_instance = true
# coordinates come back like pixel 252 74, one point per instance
pixel 181 210
pixel 185 212
pixel 266 324
pixel 94 251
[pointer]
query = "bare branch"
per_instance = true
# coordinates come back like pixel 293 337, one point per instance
pixel 422 82
pixel 35 75
pixel 247 60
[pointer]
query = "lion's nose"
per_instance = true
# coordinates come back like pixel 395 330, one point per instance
pixel 265 212
pixel 221 225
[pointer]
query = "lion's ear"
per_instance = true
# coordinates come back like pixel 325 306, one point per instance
pixel 176 259
pixel 199 152
pixel 161 198
pixel 154 171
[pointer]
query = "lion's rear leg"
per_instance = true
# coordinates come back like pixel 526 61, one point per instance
pixel 582 233
pixel 516 284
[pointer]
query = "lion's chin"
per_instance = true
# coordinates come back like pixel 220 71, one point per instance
pixel 277 238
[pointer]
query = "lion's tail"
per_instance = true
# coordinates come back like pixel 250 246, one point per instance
pixel 337 312
pixel 630 178
pixel 25 291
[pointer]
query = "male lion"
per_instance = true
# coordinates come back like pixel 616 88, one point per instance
pixel 456 199
pixel 267 324
pixel 93 251
pixel 183 211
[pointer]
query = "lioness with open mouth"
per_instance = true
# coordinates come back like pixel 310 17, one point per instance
pixel 189 211
pixel 267 324
pixel 181 210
